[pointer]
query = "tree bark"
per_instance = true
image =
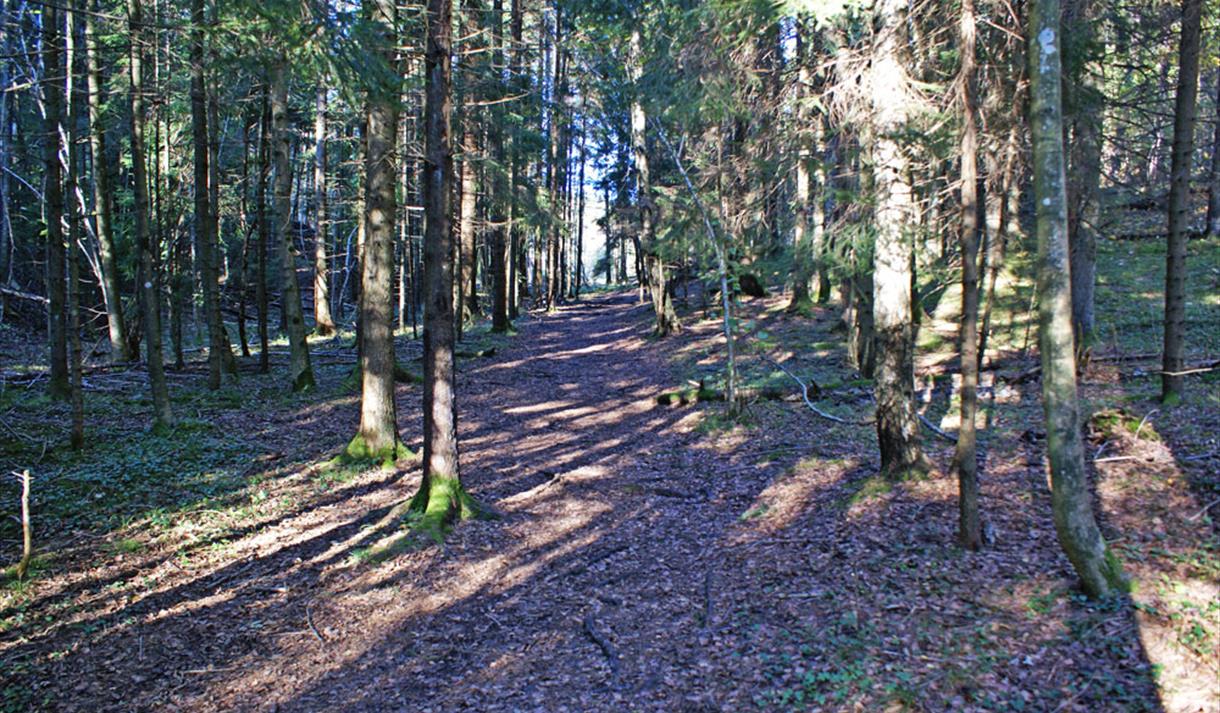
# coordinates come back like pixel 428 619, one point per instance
pixel 897 423
pixel 466 226
pixel 324 324
pixel 441 498
pixel 75 357
pixel 501 195
pixel 205 239
pixel 1174 361
pixel 1070 498
pixel 163 416
pixel 377 438
pixel 103 202
pixel 1084 111
pixel 965 460
pixel 663 309
pixel 802 299
pixel 299 371
pixel 264 234
pixel 53 194
pixel 1213 191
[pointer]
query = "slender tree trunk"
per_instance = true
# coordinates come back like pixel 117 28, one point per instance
pixel 666 318
pixel 103 202
pixel 163 416
pixel 897 423
pixel 75 357
pixel 466 225
pixel 53 193
pixel 969 530
pixel 324 324
pixel 264 234
pixel 299 371
pixel 228 362
pixel 441 498
pixel 205 241
pixel 802 300
pixel 1213 191
pixel 1174 361
pixel 1081 101
pixel 501 195
pixel 997 237
pixel 243 270
pixel 1073 513
pixel 377 438
pixel 578 277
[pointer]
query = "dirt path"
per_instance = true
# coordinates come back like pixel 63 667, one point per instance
pixel 643 563
pixel 593 590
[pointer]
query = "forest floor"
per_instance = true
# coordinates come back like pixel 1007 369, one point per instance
pixel 651 556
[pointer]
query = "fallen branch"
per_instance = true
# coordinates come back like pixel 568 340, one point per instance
pixel 309 620
pixel 1206 507
pixel 604 644
pixel 24 295
pixel 810 404
pixel 935 429
pixel 27 536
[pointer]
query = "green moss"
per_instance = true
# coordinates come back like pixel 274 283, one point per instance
pixel 686 397
pixel 873 487
pixel 358 452
pixel 125 546
pixel 304 382
pixel 402 375
pixel 440 502
pixel 1113 572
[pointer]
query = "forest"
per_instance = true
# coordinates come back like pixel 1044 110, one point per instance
pixel 609 355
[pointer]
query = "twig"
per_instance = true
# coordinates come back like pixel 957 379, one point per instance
pixel 309 620
pixel 27 537
pixel 604 644
pixel 805 396
pixel 1144 421
pixel 1202 512
pixel 935 429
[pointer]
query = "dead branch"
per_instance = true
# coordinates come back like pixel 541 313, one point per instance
pixel 604 644
pixel 810 404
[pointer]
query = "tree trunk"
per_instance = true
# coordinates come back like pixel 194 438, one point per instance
pixel 1083 106
pixel 654 266
pixel 205 240
pixel 1213 191
pixel 466 225
pixel 802 299
pixel 163 416
pixel 103 203
pixel 299 371
pixel 53 193
pixel 377 438
pixel 440 499
pixel 501 195
pixel 324 324
pixel 1073 513
pixel 75 357
pixel 897 423
pixel 1174 361
pixel 969 531
pixel 264 234
pixel 997 235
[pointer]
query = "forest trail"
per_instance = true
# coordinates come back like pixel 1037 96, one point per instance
pixel 591 592
pixel 650 558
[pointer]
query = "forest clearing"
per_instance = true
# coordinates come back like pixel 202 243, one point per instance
pixel 574 356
